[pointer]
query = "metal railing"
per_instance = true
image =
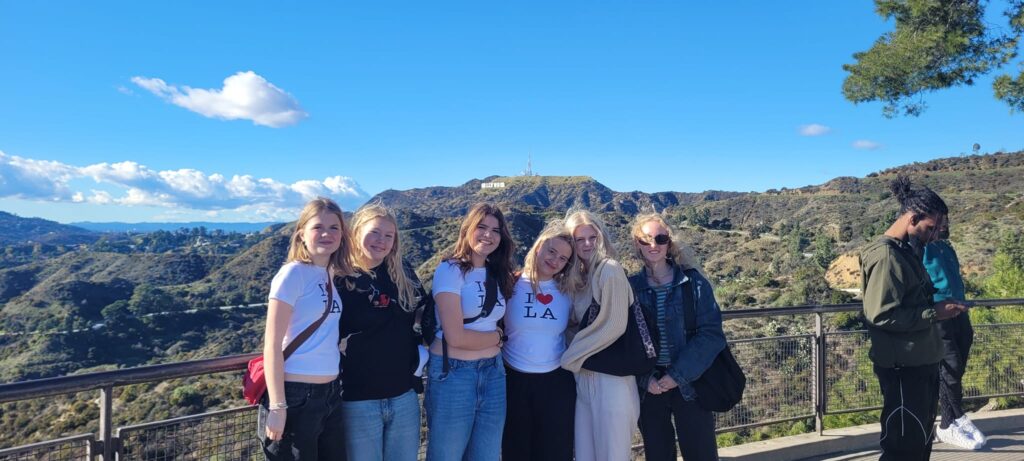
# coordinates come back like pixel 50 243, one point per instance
pixel 789 378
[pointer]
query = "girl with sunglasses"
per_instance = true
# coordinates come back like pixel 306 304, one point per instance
pixel 607 406
pixel 541 395
pixel 465 399
pixel 661 287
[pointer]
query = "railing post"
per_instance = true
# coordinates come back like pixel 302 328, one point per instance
pixel 819 373
pixel 106 420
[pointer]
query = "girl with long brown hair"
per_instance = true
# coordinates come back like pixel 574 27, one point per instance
pixel 465 399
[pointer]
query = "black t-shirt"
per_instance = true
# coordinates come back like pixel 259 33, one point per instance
pixel 381 355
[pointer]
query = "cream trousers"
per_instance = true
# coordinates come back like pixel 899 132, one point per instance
pixel 607 410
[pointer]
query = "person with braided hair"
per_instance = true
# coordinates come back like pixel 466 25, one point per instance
pixel 906 345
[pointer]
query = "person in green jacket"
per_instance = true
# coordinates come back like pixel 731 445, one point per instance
pixel 905 343
pixel 957 335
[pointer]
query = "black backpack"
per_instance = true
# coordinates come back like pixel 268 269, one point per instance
pixel 721 386
pixel 429 324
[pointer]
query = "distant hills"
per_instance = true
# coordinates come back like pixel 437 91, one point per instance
pixel 15 229
pixel 241 227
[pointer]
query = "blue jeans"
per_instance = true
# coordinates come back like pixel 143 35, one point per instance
pixel 382 430
pixel 465 409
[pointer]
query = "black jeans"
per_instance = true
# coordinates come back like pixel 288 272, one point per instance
pixel 910 398
pixel 541 408
pixel 313 427
pixel 957 338
pixel 694 427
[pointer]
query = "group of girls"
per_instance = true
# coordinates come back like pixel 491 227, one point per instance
pixel 506 370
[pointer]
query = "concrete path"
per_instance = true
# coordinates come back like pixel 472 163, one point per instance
pixel 860 443
pixel 1002 446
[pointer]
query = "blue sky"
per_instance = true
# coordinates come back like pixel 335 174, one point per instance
pixel 140 111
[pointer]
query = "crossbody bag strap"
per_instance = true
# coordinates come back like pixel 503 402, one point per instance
pixel 490 300
pixel 302 337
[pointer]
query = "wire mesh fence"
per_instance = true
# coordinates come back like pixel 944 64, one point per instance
pixel 780 384
pixel 782 373
pixel 66 449
pixel 996 363
pixel 227 435
pixel 850 382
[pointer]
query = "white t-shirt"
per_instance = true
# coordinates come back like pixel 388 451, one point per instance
pixel 304 287
pixel 535 324
pixel 448 278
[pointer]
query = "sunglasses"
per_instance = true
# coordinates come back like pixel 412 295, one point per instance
pixel 660 239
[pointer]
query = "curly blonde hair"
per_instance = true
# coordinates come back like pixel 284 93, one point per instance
pixel 677 253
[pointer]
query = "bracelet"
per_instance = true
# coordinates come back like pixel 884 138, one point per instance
pixel 277 406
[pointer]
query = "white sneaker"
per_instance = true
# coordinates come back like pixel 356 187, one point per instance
pixel 955 436
pixel 970 429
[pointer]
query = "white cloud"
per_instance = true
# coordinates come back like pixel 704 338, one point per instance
pixel 132 184
pixel 34 179
pixel 865 144
pixel 245 95
pixel 814 129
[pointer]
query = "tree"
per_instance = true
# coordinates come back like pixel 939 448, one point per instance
pixel 936 44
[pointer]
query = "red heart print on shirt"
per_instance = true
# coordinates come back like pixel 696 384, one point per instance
pixel 545 298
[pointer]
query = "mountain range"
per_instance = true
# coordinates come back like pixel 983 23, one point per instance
pixel 74 300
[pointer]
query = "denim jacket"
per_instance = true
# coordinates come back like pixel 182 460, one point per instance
pixel 690 357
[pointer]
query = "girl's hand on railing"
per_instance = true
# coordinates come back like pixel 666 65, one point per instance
pixel 275 423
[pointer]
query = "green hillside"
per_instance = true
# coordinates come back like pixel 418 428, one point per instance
pixel 120 301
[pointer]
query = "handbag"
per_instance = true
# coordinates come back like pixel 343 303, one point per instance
pixel 254 381
pixel 633 353
pixel 721 386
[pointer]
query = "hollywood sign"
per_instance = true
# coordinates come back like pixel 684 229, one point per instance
pixel 492 185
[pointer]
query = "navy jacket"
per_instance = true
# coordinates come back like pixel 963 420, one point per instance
pixel 690 357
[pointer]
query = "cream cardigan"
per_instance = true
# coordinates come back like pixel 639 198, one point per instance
pixel 608 286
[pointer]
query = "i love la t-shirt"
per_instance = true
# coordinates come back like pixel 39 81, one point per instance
pixel 535 324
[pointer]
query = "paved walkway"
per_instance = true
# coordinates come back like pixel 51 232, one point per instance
pixel 1002 446
pixel 859 443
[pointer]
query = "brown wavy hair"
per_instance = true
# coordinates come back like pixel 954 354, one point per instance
pixel 499 263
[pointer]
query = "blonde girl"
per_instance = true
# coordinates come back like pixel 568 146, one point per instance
pixel 607 406
pixel 381 297
pixel 301 411
pixel 541 395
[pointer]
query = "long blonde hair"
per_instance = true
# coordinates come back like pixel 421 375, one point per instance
pixel 565 279
pixel 407 297
pixel 297 251
pixel 677 253
pixel 575 218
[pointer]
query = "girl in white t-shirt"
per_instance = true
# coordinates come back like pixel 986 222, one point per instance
pixel 465 401
pixel 300 415
pixel 541 395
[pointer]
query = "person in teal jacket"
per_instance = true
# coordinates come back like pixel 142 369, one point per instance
pixel 943 268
